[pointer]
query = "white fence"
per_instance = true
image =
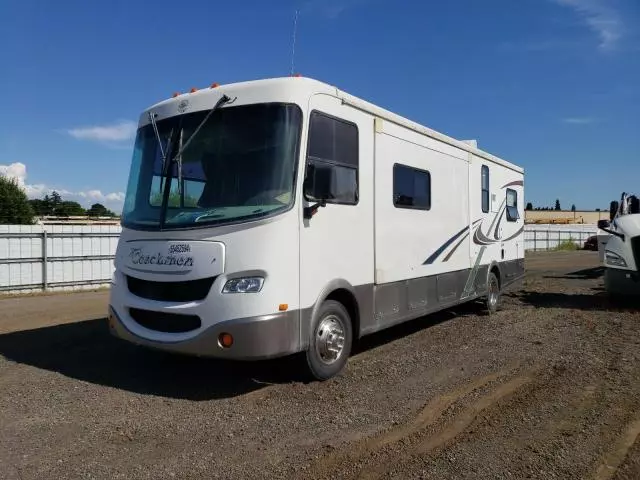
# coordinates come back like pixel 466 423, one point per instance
pixel 549 237
pixel 70 257
pixel 56 257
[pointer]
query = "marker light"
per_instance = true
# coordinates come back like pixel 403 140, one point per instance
pixel 226 340
pixel 283 307
pixel 243 285
pixel 193 90
pixel 175 94
pixel 214 85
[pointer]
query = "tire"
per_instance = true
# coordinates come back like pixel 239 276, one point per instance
pixel 332 322
pixel 492 301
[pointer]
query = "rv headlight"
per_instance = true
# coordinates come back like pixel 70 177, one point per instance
pixel 243 285
pixel 614 259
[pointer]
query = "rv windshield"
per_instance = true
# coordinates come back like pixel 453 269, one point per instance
pixel 240 166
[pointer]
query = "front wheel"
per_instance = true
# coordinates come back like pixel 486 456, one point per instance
pixel 330 343
pixel 493 294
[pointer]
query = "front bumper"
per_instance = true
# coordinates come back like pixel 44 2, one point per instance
pixel 622 282
pixel 254 338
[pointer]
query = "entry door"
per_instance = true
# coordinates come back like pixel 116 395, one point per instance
pixel 336 244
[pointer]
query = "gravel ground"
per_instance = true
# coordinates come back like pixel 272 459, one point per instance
pixel 547 388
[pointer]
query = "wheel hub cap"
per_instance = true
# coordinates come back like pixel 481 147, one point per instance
pixel 330 339
pixel 493 293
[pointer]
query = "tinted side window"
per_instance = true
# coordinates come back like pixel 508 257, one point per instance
pixel 512 205
pixel 332 157
pixel 485 188
pixel 411 188
pixel 333 140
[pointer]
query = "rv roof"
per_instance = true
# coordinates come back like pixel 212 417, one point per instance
pixel 316 86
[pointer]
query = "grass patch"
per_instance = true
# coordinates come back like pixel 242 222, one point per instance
pixel 567 245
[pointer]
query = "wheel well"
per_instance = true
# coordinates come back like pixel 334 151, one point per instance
pixel 496 271
pixel 346 298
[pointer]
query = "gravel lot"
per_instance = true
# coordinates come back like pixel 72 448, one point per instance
pixel 547 388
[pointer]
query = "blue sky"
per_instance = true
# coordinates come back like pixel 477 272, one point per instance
pixel 552 85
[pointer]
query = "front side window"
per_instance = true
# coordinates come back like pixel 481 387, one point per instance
pixel 332 160
pixel 512 205
pixel 411 188
pixel 239 166
pixel 485 188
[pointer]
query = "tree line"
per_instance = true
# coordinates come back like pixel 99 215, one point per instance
pixel 556 207
pixel 53 206
pixel 17 209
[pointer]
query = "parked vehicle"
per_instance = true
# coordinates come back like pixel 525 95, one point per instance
pixel 591 243
pixel 622 248
pixel 276 216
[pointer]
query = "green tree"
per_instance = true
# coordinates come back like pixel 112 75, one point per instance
pixel 15 208
pixel 70 209
pixel 558 204
pixel 529 206
pixel 99 210
pixel 40 207
pixel 573 208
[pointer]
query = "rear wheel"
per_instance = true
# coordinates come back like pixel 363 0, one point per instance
pixel 330 343
pixel 493 294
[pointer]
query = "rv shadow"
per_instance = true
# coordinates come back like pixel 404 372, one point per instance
pixel 584 274
pixel 405 329
pixel 598 300
pixel 87 351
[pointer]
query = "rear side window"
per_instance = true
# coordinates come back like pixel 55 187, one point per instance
pixel 512 205
pixel 411 188
pixel 485 188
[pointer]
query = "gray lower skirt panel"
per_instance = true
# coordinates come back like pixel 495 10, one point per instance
pixel 512 271
pixel 396 302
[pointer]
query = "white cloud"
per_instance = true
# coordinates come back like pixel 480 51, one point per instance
pixel 114 197
pixel 120 131
pixel 600 17
pixel 579 120
pixel 98 196
pixel 18 171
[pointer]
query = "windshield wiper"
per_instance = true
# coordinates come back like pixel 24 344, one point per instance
pixel 178 156
pixel 152 119
pixel 163 154
pixel 224 99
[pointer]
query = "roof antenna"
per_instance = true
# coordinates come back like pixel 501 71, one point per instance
pixel 293 46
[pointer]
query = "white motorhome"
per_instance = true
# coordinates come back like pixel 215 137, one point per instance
pixel 622 248
pixel 276 216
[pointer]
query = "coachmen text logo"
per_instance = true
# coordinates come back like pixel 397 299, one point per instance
pixel 175 257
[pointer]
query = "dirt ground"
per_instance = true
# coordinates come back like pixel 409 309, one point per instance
pixel 547 388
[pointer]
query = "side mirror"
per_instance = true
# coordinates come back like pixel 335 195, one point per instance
pixel 318 186
pixel 320 182
pixel 613 209
pixel 602 224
